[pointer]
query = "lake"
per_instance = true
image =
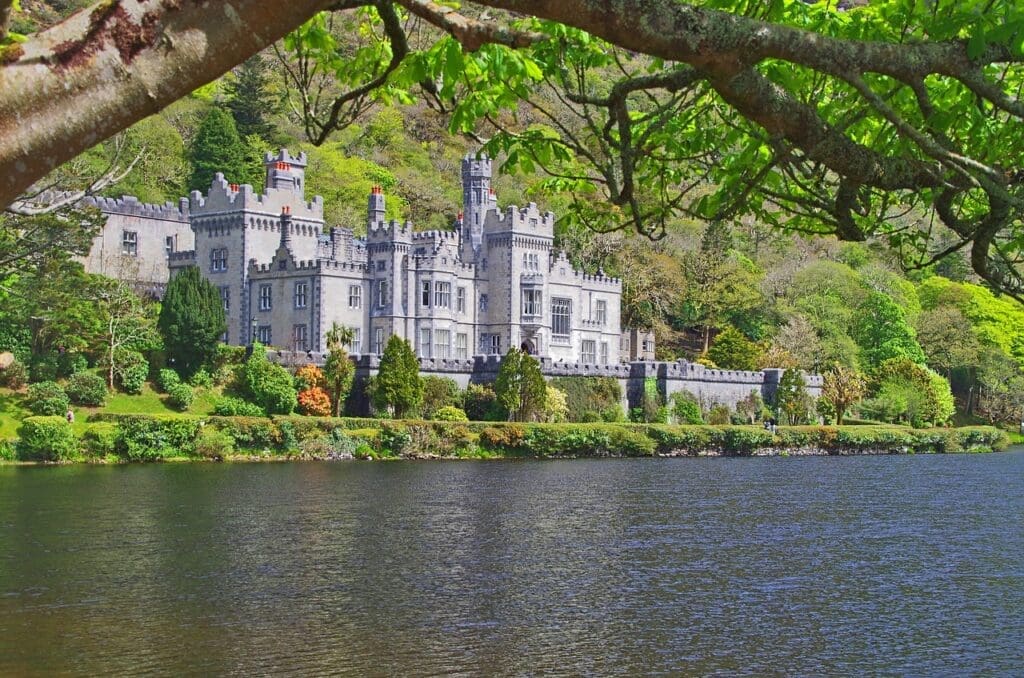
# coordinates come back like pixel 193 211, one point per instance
pixel 838 565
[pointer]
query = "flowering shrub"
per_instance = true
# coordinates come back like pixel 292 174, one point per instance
pixel 315 401
pixel 308 377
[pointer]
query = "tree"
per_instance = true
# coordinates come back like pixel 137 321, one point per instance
pixel 218 148
pixel 249 99
pixel 398 385
pixel 823 118
pixel 520 388
pixel 880 329
pixel 338 368
pixel 267 384
pixel 842 388
pixel 925 394
pixel 791 398
pixel 948 339
pixel 191 321
pixel 733 351
pixel 128 324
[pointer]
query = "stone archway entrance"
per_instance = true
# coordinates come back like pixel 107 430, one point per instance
pixel 528 347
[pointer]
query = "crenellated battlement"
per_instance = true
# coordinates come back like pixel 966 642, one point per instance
pixel 387 231
pixel 127 205
pixel 227 197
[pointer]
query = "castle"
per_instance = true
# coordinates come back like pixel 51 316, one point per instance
pixel 461 297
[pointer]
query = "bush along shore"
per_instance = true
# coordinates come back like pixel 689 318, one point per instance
pixel 113 438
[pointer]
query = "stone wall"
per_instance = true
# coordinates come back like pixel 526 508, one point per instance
pixel 709 386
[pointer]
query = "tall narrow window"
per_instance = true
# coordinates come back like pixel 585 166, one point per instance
pixel 601 311
pixel 263 335
pixel 301 294
pixel 460 300
pixel 219 260
pixel 130 243
pixel 225 297
pixel 461 345
pixel 378 340
pixel 483 303
pixel 355 296
pixel 425 342
pixel 425 294
pixel 589 351
pixel 382 293
pixel 265 297
pixel 300 338
pixel 495 344
pixel 356 345
pixel 442 343
pixel 531 302
pixel 169 245
pixel 604 352
pixel 561 316
pixel 442 294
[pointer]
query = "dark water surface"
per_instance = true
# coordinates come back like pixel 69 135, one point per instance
pixel 896 565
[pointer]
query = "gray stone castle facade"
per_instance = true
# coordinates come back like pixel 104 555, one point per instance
pixel 491 283
pixel 461 297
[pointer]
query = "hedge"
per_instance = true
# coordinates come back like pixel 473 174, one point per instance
pixel 48 438
pixel 154 437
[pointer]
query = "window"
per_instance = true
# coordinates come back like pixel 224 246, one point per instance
pixel 265 296
pixel 169 244
pixel 531 262
pixel 130 243
pixel 356 345
pixel 381 265
pixel 531 302
pixel 263 334
pixel 461 345
pixel 378 340
pixel 301 292
pixel 495 344
pixel 561 312
pixel 219 260
pixel 225 297
pixel 425 294
pixel 300 338
pixel 442 344
pixel 443 294
pixel 425 342
pixel 483 302
pixel 601 311
pixel 382 293
pixel 589 351
pixel 355 296
pixel 648 346
pixel 460 300
pixel 604 352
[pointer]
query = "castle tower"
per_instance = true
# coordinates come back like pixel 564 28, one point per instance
pixel 477 199
pixel 285 172
pixel 375 210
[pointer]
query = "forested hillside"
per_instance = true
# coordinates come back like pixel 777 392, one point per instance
pixel 739 294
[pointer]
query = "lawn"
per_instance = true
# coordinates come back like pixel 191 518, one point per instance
pixel 147 402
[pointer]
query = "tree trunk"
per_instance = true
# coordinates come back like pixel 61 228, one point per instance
pixel 103 69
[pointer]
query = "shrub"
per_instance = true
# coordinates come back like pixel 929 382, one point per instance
pixel 267 384
pixel 719 415
pixel 8 451
pixel 556 407
pixel 46 439
pixel 47 398
pixel 86 388
pixel 314 402
pixel 131 371
pixel 335 445
pixel 478 402
pixel 149 438
pixel 180 396
pixel 214 444
pixel 43 367
pixel 15 376
pixel 236 407
pixel 70 364
pixel 439 392
pixel 167 379
pixel 251 433
pixel 201 379
pixel 449 413
pixel 591 398
pixel 309 376
pixel 686 409
pixel 99 440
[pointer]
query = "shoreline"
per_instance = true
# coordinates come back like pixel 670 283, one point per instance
pixel 116 439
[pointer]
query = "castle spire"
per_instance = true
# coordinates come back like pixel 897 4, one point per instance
pixel 375 209
pixel 286 229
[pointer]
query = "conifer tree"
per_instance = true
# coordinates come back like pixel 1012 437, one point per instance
pixel 249 99
pixel 520 387
pixel 191 321
pixel 399 387
pixel 218 148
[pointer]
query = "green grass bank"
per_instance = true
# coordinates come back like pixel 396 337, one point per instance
pixel 113 438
